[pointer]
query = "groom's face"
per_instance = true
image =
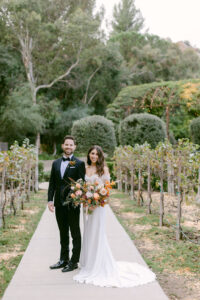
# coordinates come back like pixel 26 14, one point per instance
pixel 68 147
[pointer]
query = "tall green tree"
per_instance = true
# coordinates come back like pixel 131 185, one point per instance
pixel 51 36
pixel 19 117
pixel 127 17
pixel 150 58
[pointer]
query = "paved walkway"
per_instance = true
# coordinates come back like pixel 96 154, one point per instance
pixel 33 280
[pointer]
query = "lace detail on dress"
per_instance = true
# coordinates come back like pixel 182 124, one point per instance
pixel 96 177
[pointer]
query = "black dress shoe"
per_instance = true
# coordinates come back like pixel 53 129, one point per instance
pixel 70 267
pixel 59 264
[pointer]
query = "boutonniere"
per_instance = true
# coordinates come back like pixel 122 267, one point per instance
pixel 72 162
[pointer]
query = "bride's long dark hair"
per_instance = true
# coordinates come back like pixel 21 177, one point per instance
pixel 100 162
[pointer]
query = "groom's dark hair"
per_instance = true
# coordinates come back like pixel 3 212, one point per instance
pixel 69 137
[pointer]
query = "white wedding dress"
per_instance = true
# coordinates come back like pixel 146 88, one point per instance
pixel 97 264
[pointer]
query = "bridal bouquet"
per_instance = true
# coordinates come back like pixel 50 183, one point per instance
pixel 91 195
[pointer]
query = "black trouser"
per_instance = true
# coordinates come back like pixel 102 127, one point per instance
pixel 68 219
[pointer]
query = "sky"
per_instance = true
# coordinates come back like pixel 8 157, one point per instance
pixel 178 20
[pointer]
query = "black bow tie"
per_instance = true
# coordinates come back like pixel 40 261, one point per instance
pixel 64 158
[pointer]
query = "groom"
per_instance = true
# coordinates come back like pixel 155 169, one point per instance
pixel 67 216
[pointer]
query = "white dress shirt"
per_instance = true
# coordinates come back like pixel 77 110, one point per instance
pixel 64 165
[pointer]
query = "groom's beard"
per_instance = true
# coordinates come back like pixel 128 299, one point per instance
pixel 68 152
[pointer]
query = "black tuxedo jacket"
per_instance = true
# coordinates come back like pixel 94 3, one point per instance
pixel 60 187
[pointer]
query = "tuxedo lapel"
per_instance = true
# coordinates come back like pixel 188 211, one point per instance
pixel 59 167
pixel 66 171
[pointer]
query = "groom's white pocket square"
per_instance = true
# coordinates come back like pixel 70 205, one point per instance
pixel 72 167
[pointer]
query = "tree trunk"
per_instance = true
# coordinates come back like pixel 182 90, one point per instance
pixel 198 193
pixel 33 179
pixel 2 195
pixel 29 184
pixel 120 179
pixel 180 199
pixel 161 196
pixel 37 160
pixel 12 198
pixel 170 179
pixel 132 184
pixel 179 213
pixel 139 188
pixel 3 208
pixel 149 188
pixel 20 193
pixel 126 182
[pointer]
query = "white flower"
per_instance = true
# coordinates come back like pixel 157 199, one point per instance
pixel 89 194
pixel 100 186
pixel 103 191
pixel 78 193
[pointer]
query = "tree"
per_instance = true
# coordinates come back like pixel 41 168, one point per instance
pixel 127 17
pixel 176 101
pixel 38 29
pixel 19 117
pixel 11 71
pixel 59 123
pixel 150 58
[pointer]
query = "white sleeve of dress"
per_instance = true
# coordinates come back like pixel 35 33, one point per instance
pixel 106 177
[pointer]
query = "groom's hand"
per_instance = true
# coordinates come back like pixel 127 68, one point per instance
pixel 51 206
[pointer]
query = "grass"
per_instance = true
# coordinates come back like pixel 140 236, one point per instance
pixel 15 237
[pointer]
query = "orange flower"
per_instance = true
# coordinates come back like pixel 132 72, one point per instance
pixel 78 185
pixel 96 196
pixel 108 185
pixel 73 196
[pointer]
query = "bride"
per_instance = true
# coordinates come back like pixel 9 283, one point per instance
pixel 98 265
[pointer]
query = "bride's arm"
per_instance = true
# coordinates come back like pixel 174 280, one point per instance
pixel 106 173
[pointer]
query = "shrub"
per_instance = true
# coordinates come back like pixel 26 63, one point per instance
pixel 94 130
pixel 195 130
pixel 141 128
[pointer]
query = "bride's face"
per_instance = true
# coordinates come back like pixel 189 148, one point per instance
pixel 93 156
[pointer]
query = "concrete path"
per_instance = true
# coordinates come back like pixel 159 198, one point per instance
pixel 33 280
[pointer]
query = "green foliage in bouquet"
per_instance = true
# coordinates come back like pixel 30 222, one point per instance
pixel 94 130
pixel 141 128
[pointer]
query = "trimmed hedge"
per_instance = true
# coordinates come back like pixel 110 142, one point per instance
pixel 141 128
pixel 94 130
pixel 195 130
